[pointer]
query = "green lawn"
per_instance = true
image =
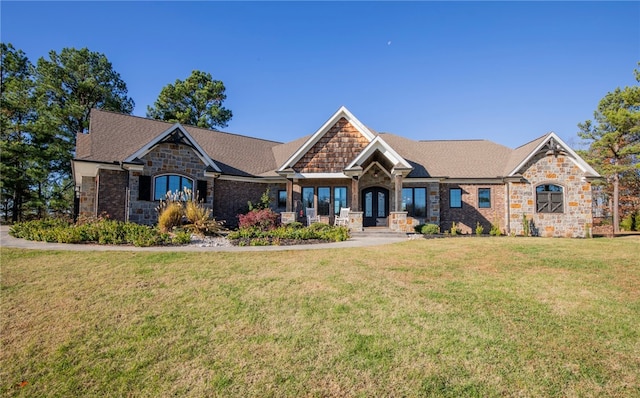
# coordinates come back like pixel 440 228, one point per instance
pixel 444 317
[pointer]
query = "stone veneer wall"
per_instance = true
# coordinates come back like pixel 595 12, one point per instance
pixel 469 214
pixel 433 203
pixel 368 180
pixel 112 194
pixel 87 208
pixel 576 220
pixel 166 159
pixel 334 151
pixel 231 197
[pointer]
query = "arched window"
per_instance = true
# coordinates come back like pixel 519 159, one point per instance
pixel 549 199
pixel 170 183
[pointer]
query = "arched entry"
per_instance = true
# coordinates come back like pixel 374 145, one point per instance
pixel 375 206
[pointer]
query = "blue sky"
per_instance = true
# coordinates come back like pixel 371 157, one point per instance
pixel 505 71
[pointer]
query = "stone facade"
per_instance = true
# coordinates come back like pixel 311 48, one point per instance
pixel 470 213
pixel 334 151
pixel 87 198
pixel 166 159
pixel 575 221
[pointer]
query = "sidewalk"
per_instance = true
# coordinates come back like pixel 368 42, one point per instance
pixel 9 241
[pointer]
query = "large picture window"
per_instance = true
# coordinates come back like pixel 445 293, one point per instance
pixel 414 201
pixel 307 198
pixel 324 201
pixel 549 199
pixel 484 198
pixel 170 183
pixel 455 197
pixel 339 199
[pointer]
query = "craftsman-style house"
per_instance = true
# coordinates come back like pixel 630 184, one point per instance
pixel 126 164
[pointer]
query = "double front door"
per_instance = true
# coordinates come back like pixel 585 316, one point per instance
pixel 375 206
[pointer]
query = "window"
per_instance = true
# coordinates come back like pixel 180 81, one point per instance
pixel 324 201
pixel 549 199
pixel 170 183
pixel 484 198
pixel 282 198
pixel 414 201
pixel 339 199
pixel 455 197
pixel 307 198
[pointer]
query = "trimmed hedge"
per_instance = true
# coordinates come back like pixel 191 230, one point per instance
pixel 293 233
pixel 104 232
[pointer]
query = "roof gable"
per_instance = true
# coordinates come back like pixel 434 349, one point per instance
pixel 174 134
pixel 554 144
pixel 378 144
pixel 341 116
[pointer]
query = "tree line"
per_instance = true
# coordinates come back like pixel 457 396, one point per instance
pixel 44 106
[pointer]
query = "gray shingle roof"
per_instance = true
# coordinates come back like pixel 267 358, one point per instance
pixel 114 137
pixel 453 159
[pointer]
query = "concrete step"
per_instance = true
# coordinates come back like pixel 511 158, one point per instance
pixel 376 232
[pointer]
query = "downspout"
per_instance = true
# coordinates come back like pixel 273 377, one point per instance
pixel 95 205
pixel 127 194
pixel 508 209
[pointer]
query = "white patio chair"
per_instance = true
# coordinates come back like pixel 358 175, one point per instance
pixel 343 218
pixel 312 216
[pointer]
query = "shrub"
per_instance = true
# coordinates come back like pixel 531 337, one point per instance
pixel 181 238
pixel 525 225
pixel 264 219
pixel 495 230
pixel 103 231
pixel 430 229
pixel 631 222
pixel 479 228
pixel 256 236
pixel 265 202
pixel 169 215
pixel 199 219
pixel 454 229
pixel 295 225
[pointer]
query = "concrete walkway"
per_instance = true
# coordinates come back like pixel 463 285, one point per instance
pixel 9 241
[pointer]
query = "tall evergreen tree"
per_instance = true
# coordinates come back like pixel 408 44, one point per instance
pixel 196 101
pixel 68 85
pixel 614 139
pixel 17 116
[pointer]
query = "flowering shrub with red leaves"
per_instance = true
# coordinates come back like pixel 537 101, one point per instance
pixel 265 219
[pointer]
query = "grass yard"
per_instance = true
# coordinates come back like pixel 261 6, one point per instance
pixel 443 317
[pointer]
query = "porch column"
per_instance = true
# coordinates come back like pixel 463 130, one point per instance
pixel 289 195
pixel 355 195
pixel 398 191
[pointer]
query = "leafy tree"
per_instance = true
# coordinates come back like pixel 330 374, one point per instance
pixel 68 85
pixel 16 121
pixel 615 139
pixel 196 101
